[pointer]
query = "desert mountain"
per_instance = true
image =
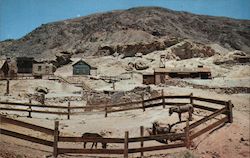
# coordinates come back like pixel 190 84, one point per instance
pixel 143 29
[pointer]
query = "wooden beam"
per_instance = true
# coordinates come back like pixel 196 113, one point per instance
pixel 206 118
pixel 56 135
pixel 163 99
pixel 26 137
pixel 220 102
pixel 230 111
pixel 26 125
pixel 153 148
pixel 35 105
pixel 157 137
pixel 204 130
pixel 68 110
pixel 204 107
pixel 89 151
pixel 91 139
pixel 177 97
pixel 142 143
pixel 126 144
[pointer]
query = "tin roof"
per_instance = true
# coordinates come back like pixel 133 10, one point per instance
pixel 2 62
pixel 84 62
pixel 181 70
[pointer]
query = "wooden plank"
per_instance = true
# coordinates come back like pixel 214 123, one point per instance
pixel 27 125
pixel 26 137
pixel 119 110
pixel 204 107
pixel 221 102
pixel 230 111
pixel 50 112
pixel 204 130
pixel 177 97
pixel 124 104
pixel 153 148
pixel 13 109
pixel 187 139
pixel 153 99
pixel 163 99
pixel 157 137
pixel 90 139
pixel 153 105
pixel 37 111
pixel 33 105
pixel 206 118
pixel 89 151
pixel 142 143
pixel 68 111
pixel 55 143
pixel 126 145
pixel 166 103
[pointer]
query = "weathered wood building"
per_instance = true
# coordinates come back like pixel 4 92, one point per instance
pixel 4 68
pixel 160 75
pixel 24 64
pixel 41 69
pixel 82 68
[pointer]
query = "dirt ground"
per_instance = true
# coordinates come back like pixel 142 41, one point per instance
pixel 228 141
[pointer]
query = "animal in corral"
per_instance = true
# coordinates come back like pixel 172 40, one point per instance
pixel 182 109
pixel 164 130
pixel 157 130
pixel 93 135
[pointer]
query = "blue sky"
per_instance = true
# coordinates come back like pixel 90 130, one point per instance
pixel 19 17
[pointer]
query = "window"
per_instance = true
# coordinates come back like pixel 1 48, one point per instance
pixel 39 68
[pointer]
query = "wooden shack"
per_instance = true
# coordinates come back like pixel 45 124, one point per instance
pixel 242 59
pixel 163 74
pixel 4 68
pixel 41 69
pixel 148 78
pixel 82 68
pixel 24 64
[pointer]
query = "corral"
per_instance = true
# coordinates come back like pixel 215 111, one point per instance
pixel 187 133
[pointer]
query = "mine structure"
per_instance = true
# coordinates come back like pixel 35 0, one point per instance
pixel 160 75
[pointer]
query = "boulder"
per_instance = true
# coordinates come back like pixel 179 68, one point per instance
pixel 140 65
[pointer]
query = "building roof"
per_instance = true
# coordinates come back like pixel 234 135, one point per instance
pixel 181 70
pixel 2 62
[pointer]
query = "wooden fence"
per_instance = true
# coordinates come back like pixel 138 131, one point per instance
pixel 111 108
pixel 222 115
pixel 28 126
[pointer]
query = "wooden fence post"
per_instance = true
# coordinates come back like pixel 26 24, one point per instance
pixel 142 134
pixel 163 99
pixel 191 98
pixel 106 110
pixel 29 109
pixel 126 145
pixel 43 99
pixel 187 141
pixel 230 111
pixel 143 104
pixel 55 145
pixel 8 87
pixel 68 110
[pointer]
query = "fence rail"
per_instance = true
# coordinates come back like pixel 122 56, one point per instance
pixel 26 137
pixel 27 125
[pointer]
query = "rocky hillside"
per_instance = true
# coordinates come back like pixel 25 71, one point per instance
pixel 127 32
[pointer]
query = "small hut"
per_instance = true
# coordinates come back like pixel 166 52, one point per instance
pixel 24 64
pixel 4 68
pixel 82 68
pixel 41 69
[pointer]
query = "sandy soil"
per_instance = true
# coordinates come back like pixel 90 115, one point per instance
pixel 229 141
